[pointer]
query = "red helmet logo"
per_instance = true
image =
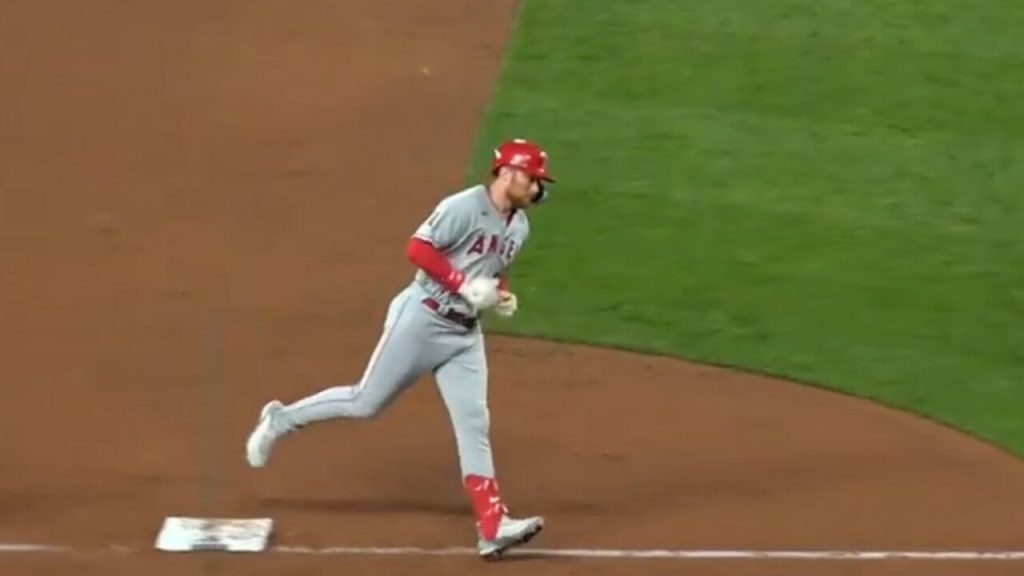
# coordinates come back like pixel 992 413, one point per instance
pixel 522 154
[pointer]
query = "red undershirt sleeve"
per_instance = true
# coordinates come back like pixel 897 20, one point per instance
pixel 432 261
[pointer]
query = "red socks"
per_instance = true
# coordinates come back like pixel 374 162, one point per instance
pixel 487 504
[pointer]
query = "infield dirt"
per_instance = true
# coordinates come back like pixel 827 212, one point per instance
pixel 204 205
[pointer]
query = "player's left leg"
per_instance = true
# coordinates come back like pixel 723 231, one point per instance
pixel 462 382
pixel 404 352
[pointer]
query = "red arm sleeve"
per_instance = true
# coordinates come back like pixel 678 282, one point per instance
pixel 424 255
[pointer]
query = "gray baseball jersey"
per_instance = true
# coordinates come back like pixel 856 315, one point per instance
pixel 469 230
pixel 475 237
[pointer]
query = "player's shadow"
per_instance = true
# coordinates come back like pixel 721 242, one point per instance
pixel 369 505
pixel 526 556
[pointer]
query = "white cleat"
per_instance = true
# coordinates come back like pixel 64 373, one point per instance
pixel 267 431
pixel 511 533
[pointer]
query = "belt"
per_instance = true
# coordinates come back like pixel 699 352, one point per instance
pixel 459 318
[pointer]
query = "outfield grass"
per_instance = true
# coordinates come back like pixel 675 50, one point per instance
pixel 825 190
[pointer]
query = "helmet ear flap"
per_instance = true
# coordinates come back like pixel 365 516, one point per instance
pixel 542 194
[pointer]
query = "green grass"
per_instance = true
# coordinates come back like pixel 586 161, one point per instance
pixel 826 190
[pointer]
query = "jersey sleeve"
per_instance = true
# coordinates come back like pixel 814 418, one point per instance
pixel 446 225
pixel 521 234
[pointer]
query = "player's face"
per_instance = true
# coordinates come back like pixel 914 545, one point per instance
pixel 522 188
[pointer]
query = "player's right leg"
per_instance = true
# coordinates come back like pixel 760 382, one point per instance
pixel 400 357
pixel 462 382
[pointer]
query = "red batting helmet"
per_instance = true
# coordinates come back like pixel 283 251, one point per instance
pixel 522 154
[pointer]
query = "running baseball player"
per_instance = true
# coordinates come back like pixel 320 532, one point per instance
pixel 462 252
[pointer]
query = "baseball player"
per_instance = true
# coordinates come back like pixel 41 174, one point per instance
pixel 462 252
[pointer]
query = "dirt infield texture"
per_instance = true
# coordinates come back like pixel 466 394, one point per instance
pixel 204 204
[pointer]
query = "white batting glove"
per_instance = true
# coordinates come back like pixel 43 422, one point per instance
pixel 481 293
pixel 507 305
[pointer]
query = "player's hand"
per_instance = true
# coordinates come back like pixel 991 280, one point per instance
pixel 481 293
pixel 507 304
